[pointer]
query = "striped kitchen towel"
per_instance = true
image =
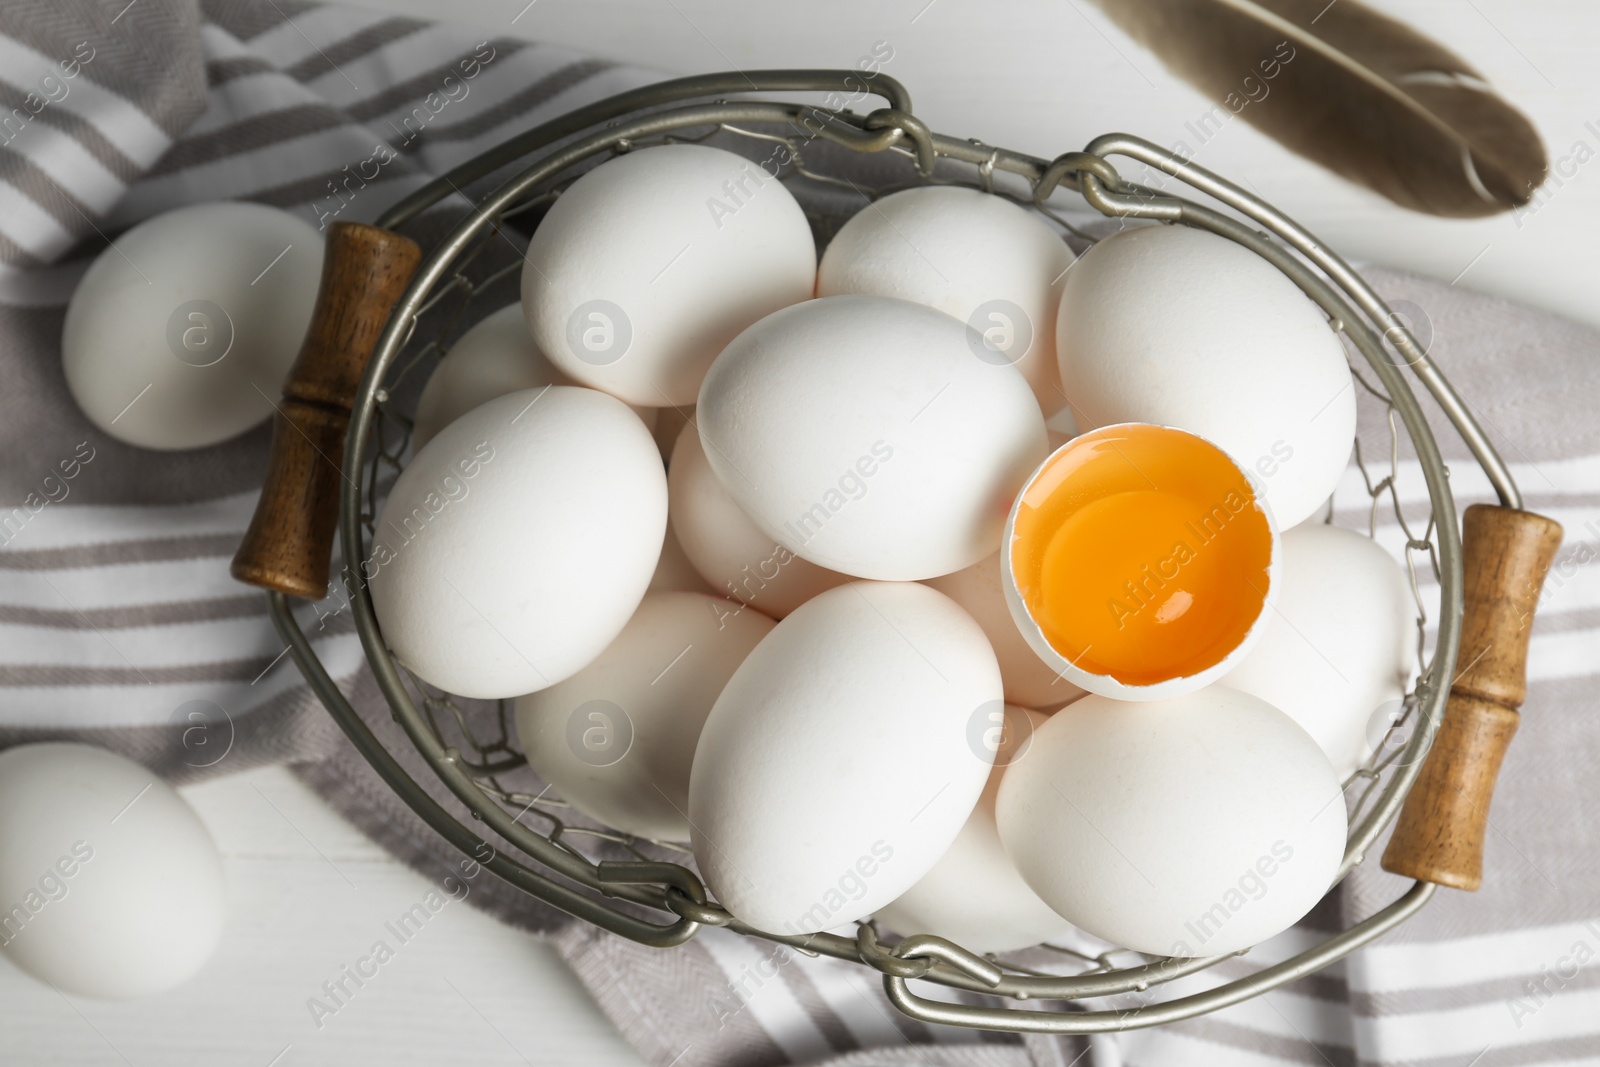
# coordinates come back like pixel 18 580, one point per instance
pixel 122 627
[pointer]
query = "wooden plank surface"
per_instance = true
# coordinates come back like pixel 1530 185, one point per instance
pixel 308 896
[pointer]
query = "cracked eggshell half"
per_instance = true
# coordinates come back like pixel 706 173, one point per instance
pixel 1139 562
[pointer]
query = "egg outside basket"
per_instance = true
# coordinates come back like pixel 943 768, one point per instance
pixel 376 299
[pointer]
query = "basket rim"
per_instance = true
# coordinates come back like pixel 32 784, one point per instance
pixel 1355 309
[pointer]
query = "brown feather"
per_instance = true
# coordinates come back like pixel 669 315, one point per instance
pixel 1364 95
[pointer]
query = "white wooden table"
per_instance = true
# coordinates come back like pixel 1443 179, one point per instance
pixel 1046 76
pixel 310 894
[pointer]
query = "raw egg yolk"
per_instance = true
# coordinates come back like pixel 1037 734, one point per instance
pixel 1141 553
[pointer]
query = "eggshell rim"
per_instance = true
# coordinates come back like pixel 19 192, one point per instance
pixel 1105 685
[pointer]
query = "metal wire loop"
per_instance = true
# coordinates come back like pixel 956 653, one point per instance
pixel 872 953
pixel 1134 204
pixel 910 127
pixel 696 910
pixel 648 872
pixel 1065 169
pixel 920 946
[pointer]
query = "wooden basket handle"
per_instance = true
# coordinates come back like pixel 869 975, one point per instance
pixel 1439 835
pixel 290 540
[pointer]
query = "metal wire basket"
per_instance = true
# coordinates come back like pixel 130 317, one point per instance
pixel 644 890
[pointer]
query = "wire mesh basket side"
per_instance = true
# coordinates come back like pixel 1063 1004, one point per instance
pixel 474 755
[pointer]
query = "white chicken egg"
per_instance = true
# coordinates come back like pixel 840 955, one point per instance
pixel 492 359
pixel 997 267
pixel 863 434
pixel 1340 644
pixel 178 327
pixel 839 763
pixel 1194 826
pixel 973 895
pixel 111 886
pixel 1029 680
pixel 617 739
pixel 1175 326
pixel 649 264
pixel 515 546
pixel 729 550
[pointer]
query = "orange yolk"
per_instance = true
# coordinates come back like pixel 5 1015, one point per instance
pixel 1141 553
